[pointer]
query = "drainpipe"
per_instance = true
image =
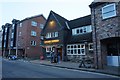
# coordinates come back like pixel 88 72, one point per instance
pixel 95 40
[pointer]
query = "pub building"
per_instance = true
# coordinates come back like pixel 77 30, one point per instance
pixel 55 34
pixel 71 38
pixel 80 42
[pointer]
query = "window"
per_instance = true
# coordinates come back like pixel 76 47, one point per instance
pixel 90 46
pixel 4 44
pixel 11 43
pixel 5 37
pixel 20 24
pixel 12 35
pixel 41 26
pixel 33 23
pixel 76 49
pixel 33 43
pixel 13 26
pixel 109 11
pixel 52 35
pixel 5 29
pixel 56 34
pixel 33 33
pixel 49 49
pixel 20 33
pixel 82 30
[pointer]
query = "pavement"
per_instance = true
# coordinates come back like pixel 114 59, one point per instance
pixel 72 65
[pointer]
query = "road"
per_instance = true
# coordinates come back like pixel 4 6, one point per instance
pixel 24 69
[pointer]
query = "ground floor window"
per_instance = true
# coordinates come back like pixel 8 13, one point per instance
pixel 49 48
pixel 76 49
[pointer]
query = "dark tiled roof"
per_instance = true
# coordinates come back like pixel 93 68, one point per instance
pixel 79 22
pixel 61 19
pixel 80 38
pixel 95 4
pixel 33 17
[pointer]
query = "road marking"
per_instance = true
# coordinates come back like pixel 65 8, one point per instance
pixel 102 74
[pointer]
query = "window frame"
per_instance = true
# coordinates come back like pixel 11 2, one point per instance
pixel 33 23
pixel 76 49
pixel 33 33
pixel 114 11
pixel 33 43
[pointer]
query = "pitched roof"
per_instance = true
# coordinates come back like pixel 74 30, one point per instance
pixel 33 17
pixel 79 22
pixel 80 38
pixel 95 4
pixel 59 19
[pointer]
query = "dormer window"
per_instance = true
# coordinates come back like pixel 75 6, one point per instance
pixel 82 30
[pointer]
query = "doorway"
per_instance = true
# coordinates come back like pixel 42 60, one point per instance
pixel 60 50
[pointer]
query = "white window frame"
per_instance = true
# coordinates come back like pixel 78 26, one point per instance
pixel 49 49
pixel 110 11
pixel 33 23
pixel 73 49
pixel 85 29
pixel 20 24
pixel 90 45
pixel 41 26
pixel 33 43
pixel 56 34
pixel 5 37
pixel 20 33
pixel 13 26
pixel 5 29
pixel 12 35
pixel 33 33
pixel 11 43
pixel 4 44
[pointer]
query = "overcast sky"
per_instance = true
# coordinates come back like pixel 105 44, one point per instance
pixel 20 9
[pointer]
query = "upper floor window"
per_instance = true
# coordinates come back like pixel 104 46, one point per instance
pixel 20 24
pixel 33 43
pixel 11 43
pixel 81 30
pixel 20 33
pixel 41 26
pixel 33 23
pixel 56 34
pixel 13 26
pixel 52 35
pixel 109 11
pixel 33 33
pixel 4 44
pixel 12 35
pixel 5 29
pixel 5 37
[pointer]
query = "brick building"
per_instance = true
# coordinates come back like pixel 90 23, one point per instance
pixel 28 37
pixel 24 37
pixel 0 42
pixel 106 33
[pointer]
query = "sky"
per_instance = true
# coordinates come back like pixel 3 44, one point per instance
pixel 20 9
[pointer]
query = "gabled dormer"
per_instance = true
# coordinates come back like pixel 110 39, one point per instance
pixel 54 27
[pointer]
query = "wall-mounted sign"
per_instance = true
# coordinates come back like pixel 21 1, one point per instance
pixel 51 41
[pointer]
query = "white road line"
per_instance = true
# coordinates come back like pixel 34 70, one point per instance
pixel 84 71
